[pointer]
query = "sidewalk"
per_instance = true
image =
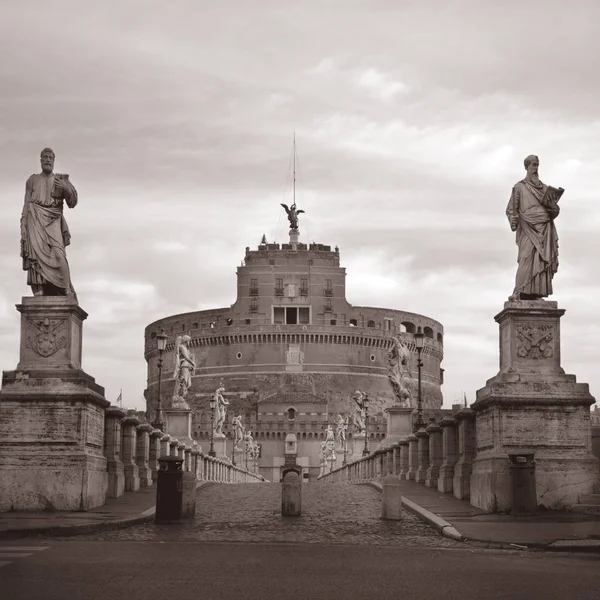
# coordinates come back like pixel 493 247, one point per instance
pixel 129 509
pixel 550 530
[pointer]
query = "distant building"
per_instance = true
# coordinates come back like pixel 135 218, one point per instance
pixel 291 351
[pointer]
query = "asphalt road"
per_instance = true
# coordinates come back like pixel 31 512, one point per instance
pixel 126 570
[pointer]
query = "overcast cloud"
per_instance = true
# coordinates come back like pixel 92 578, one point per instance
pixel 412 119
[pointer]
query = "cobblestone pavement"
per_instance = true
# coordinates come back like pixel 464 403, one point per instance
pixel 332 513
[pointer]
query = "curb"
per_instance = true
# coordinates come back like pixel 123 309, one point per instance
pixel 443 527
pixel 85 528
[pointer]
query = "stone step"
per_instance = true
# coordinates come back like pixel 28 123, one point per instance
pixel 588 509
pixel 590 499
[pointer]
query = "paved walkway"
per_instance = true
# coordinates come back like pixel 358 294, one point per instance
pixel 339 513
pixel 554 528
pixel 331 513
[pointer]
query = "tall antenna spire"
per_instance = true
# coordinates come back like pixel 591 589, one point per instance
pixel 294 166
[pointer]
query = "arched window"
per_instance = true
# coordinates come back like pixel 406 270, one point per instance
pixel 291 413
pixel 408 326
pixel 428 332
pixel 353 322
pixel 371 324
pixel 440 338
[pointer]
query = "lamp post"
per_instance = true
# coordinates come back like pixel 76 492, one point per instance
pixel 161 343
pixel 233 447
pixel 213 404
pixel 419 339
pixel 365 451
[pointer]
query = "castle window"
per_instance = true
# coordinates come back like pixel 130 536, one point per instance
pixel 428 332
pixel 333 322
pixel 279 286
pixel 371 324
pixel 353 322
pixel 291 414
pixel 253 305
pixel 407 327
pixel 328 288
pixel 304 286
pixel 291 315
pixel 254 287
pixel 387 324
pixel 440 338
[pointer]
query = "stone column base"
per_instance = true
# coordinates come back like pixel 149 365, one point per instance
pixel 51 441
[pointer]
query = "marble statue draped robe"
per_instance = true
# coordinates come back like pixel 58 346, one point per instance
pixel 536 239
pixel 47 231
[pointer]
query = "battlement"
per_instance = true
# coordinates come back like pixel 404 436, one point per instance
pixel 274 253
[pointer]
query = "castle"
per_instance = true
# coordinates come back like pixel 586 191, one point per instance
pixel 290 353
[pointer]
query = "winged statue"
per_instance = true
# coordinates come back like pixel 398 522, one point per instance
pixel 292 214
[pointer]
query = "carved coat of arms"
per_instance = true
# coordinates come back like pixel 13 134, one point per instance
pixel 46 336
pixel 535 341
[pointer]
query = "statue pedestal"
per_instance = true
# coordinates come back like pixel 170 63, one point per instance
pixel 358 445
pixel 52 415
pixel 179 424
pixel 531 405
pixel 399 425
pixel 220 446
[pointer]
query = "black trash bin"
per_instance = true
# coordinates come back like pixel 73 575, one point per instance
pixel 522 476
pixel 169 490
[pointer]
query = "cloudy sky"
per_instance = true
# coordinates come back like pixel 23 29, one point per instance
pixel 412 119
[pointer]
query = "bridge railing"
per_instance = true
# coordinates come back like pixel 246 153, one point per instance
pixel 132 449
pixel 439 456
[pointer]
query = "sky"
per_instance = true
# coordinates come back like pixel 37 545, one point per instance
pixel 175 122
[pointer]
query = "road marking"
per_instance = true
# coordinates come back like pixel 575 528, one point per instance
pixel 21 548
pixel 17 552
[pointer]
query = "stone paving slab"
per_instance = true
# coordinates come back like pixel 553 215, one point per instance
pixel 335 513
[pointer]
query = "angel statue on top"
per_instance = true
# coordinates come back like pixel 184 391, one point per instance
pixel 292 215
pixel 238 432
pixel 341 425
pixel 185 365
pixel 360 416
pixel 220 411
pixel 399 371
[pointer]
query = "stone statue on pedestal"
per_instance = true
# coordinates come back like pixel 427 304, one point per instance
pixel 399 371
pixel 292 214
pixel 330 444
pixel 184 367
pixel 220 411
pixel 238 431
pixel 531 211
pixel 44 231
pixel 341 425
pixel 360 415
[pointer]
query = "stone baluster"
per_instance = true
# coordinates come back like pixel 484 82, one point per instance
pixel 165 445
pixel 403 474
pixel 396 459
pixel 112 450
pixel 195 452
pixel 154 453
pixel 423 457
pixel 173 443
pixel 130 468
pixel 143 454
pixel 181 454
pixel 461 483
pixel 435 455
pixel 188 458
pixel 448 425
pixel 413 457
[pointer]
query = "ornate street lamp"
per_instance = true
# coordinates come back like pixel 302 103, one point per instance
pixel 213 405
pixel 161 343
pixel 419 339
pixel 365 451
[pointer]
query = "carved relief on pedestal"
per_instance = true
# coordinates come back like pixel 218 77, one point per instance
pixel 46 336
pixel 535 341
